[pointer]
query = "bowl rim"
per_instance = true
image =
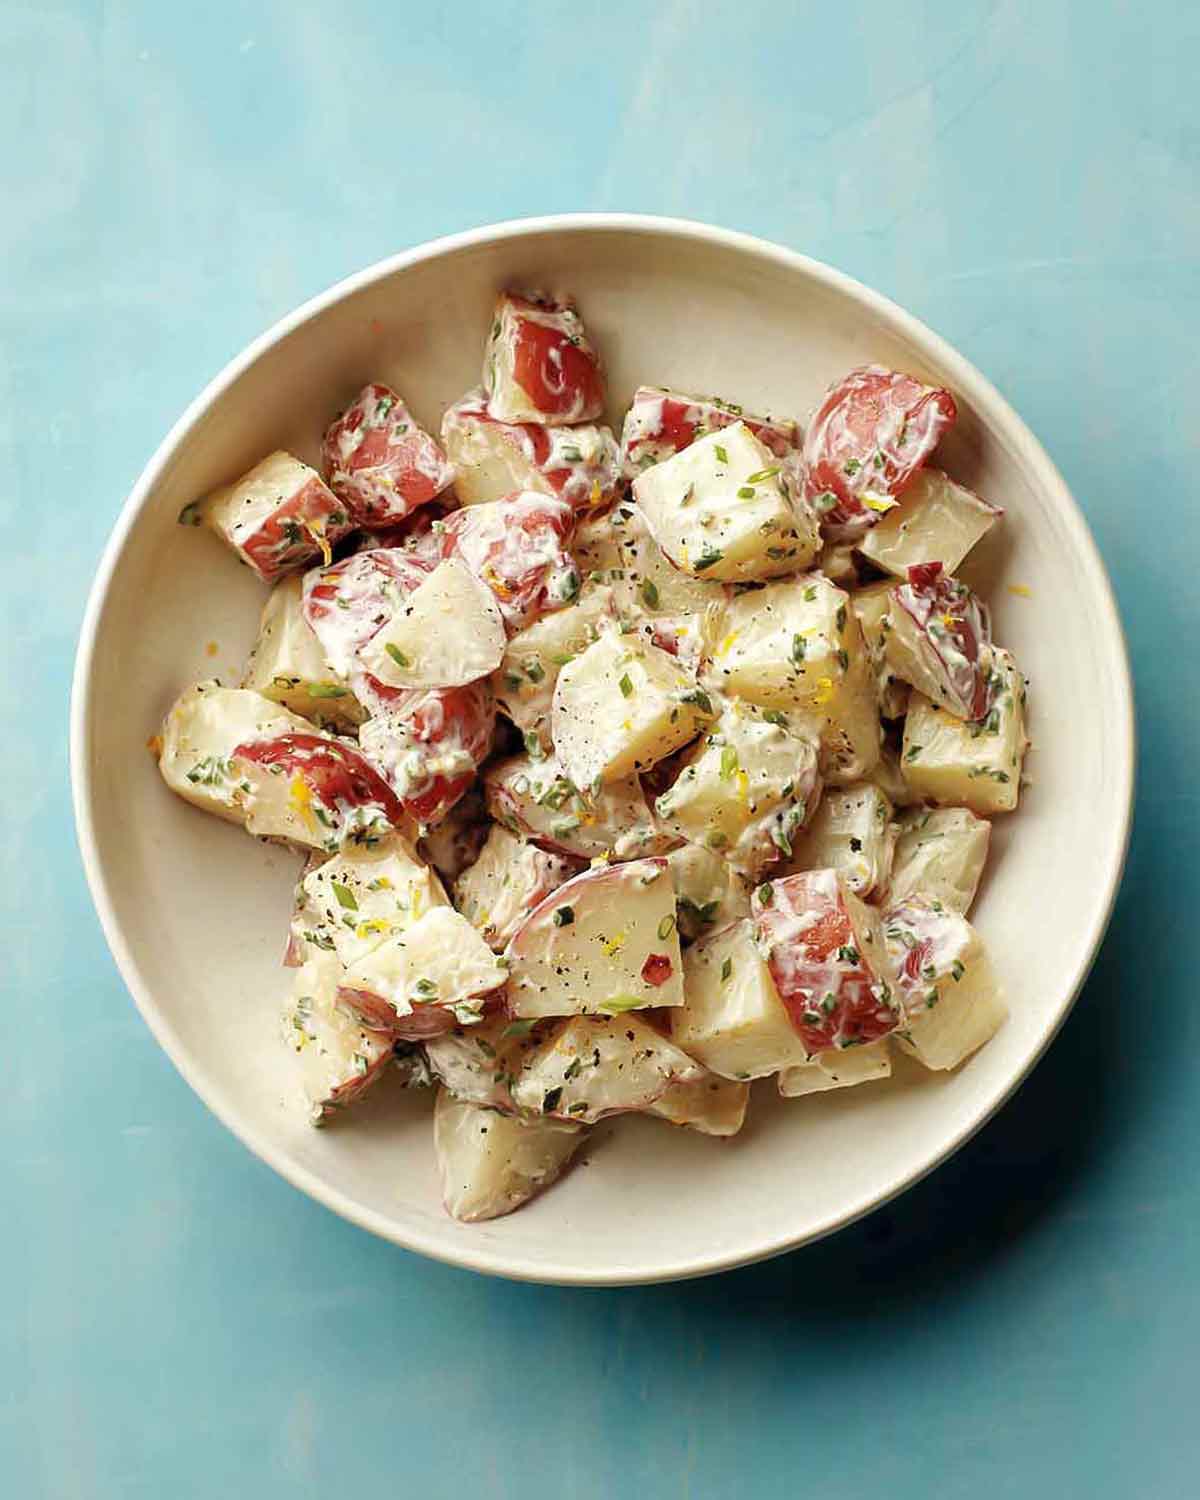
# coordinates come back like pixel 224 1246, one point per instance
pixel 964 378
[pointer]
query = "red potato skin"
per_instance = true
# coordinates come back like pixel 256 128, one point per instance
pixel 337 776
pixel 518 547
pixel 286 540
pixel 379 463
pixel 873 431
pixel 931 597
pixel 808 962
pixel 375 1012
pixel 426 718
pixel 557 375
pixel 683 416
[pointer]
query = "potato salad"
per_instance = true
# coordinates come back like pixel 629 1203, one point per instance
pixel 625 771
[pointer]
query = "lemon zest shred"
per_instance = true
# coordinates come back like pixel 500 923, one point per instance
pixel 1021 590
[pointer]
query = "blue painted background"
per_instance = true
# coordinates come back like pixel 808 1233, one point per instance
pixel 178 1322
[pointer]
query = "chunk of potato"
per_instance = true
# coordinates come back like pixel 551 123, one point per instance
pixel 951 996
pixel 479 1064
pixel 940 853
pixel 539 365
pixel 838 1069
pixel 533 798
pixel 506 882
pixel 490 1163
pixel 525 679
pixel 827 957
pixel 204 727
pixel 446 633
pixel 851 831
pixel 936 520
pixel 288 665
pixel 797 646
pixel 338 1059
pixel 976 765
pixel 746 789
pixel 724 508
pixel 621 706
pixel 603 943
pixel 711 1105
pixel 351 903
pixel 418 982
pixel 589 1069
pixel 733 1020
pixel 939 641
pixel 277 517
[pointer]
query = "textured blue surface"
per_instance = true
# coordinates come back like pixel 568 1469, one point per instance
pixel 177 1321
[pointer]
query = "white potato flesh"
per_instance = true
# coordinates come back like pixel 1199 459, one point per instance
pixel 446 633
pixel 479 1064
pixel 337 1057
pixel 438 964
pixel 618 549
pixel 712 1105
pixel 204 727
pixel 593 1068
pixel 524 681
pixel 620 707
pixel 505 883
pixel 288 665
pixel 723 509
pixel 839 1068
pixel 745 790
pixel 951 995
pixel 872 606
pixel 490 1163
pixel 851 831
pixel 603 943
pixel 708 895
pixel 535 799
pixel 940 853
pixel 798 646
pixel 733 1020
pixel 351 903
pixel 958 764
pixel 936 520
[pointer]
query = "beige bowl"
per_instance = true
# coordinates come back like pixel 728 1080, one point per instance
pixel 195 912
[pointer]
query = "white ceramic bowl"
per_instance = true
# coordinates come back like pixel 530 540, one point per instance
pixel 194 911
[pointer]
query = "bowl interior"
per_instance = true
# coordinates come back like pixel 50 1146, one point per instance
pixel 196 911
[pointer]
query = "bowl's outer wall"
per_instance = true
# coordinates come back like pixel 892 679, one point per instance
pixel 196 913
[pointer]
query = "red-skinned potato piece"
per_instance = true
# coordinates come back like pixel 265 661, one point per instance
pixel 378 462
pixel 870 435
pixel 940 641
pixel 661 422
pixel 538 364
pixel 349 601
pixel 315 791
pixel 828 960
pixel 277 517
pixel 518 547
pixel 429 742
pixel 492 459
